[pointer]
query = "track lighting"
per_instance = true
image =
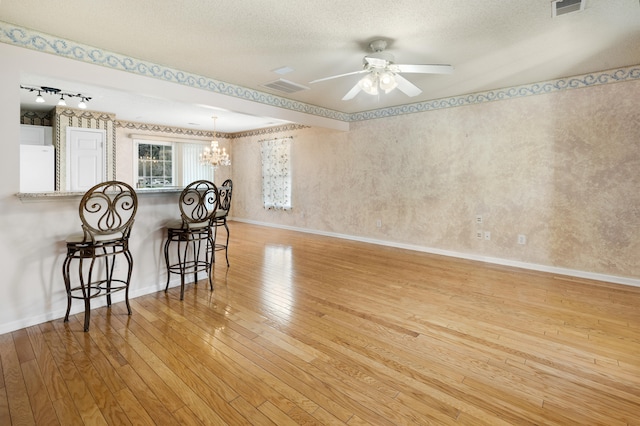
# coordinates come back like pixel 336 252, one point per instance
pixel 57 92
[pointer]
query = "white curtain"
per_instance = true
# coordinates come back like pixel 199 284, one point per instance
pixel 276 173
pixel 192 167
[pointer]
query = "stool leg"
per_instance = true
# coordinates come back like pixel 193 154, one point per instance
pixel 211 242
pixel 182 265
pixel 215 239
pixel 109 271
pixel 127 254
pixel 166 260
pixel 196 257
pixel 67 282
pixel 226 247
pixel 86 292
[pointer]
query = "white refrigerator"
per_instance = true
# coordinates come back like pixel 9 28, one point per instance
pixel 37 168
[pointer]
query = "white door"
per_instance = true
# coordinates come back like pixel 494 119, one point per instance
pixel 85 158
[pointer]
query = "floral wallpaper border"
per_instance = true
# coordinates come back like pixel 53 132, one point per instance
pixel 46 118
pixel 131 125
pixel 34 40
pixel 26 38
pixel 575 82
pixel 270 130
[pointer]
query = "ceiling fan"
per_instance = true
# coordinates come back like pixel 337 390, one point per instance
pixel 383 73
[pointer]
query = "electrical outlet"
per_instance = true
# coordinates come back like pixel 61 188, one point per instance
pixel 487 235
pixel 479 219
pixel 522 239
pixel 379 223
pixel 479 235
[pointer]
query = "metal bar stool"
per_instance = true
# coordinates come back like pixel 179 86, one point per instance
pixel 107 213
pixel 220 218
pixel 198 204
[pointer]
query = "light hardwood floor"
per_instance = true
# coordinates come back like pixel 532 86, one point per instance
pixel 306 329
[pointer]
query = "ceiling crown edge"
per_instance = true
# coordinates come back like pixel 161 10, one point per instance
pixel 26 38
pixel 615 75
pixel 45 43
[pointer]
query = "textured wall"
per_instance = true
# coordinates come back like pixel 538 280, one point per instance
pixel 561 168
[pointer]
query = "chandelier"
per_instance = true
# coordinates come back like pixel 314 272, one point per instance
pixel 213 155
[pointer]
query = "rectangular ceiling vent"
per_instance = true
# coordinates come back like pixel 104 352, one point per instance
pixel 562 7
pixel 285 86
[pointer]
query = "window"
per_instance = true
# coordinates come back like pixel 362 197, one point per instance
pixel 276 173
pixel 164 164
pixel 155 164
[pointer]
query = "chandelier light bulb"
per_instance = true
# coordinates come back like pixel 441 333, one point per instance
pixel 39 98
pixel 62 102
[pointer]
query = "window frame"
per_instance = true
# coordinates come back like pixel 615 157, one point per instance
pixel 186 165
pixel 137 159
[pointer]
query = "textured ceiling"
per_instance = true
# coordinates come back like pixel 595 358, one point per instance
pixel 491 43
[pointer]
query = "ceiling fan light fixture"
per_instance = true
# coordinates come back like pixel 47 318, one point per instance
pixel 369 84
pixel 382 72
pixel 387 81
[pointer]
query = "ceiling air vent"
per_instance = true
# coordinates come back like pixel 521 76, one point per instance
pixel 562 7
pixel 285 86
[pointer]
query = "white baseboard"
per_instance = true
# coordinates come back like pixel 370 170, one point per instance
pixel 494 260
pixel 78 306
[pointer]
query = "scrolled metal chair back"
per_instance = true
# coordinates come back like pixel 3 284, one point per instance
pixel 225 195
pixel 198 203
pixel 108 208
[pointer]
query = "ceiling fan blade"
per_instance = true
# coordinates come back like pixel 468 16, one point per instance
pixel 424 69
pixel 406 87
pixel 336 76
pixel 352 93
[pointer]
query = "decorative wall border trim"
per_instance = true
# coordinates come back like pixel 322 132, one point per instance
pixel 130 125
pixel 23 37
pixel 270 130
pixel 29 39
pixel 145 127
pixel 576 82
pixel 86 114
